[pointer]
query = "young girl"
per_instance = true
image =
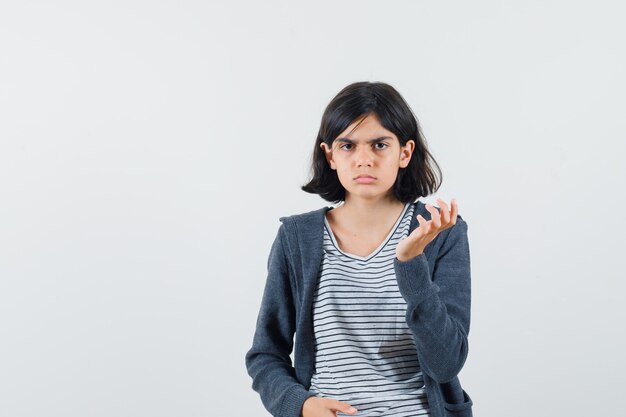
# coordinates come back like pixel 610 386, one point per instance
pixel 377 289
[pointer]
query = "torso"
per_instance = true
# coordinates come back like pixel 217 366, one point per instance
pixel 360 332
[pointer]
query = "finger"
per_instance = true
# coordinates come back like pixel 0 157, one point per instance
pixel 343 407
pixel 445 213
pixel 454 212
pixel 434 216
pixel 423 223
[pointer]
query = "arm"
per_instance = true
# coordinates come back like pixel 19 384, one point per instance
pixel 438 311
pixel 268 361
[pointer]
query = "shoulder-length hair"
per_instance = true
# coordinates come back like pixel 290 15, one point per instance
pixel 421 177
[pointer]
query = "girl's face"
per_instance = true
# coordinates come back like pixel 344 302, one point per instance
pixel 368 149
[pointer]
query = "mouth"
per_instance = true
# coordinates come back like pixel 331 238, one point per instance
pixel 365 179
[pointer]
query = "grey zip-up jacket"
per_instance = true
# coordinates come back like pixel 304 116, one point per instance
pixel 435 285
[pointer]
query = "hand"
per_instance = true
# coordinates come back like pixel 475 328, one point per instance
pixel 325 407
pixel 413 245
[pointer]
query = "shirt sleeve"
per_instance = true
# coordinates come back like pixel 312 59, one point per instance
pixel 438 309
pixel 268 361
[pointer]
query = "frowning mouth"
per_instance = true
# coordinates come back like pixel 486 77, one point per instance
pixel 365 179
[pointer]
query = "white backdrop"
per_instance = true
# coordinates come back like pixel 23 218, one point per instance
pixel 148 149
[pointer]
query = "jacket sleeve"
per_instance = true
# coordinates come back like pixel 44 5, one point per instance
pixel 438 310
pixel 268 361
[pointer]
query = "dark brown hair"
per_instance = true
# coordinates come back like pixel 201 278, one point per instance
pixel 420 178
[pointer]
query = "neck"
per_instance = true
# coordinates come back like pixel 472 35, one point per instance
pixel 370 213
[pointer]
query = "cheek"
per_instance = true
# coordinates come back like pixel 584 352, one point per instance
pixel 391 165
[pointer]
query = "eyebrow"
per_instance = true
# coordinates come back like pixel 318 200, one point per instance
pixel 348 140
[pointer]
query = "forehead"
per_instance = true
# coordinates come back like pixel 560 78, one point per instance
pixel 367 129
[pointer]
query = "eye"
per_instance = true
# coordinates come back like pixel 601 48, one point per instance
pixel 384 146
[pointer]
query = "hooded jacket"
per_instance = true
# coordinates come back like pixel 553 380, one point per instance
pixel 436 286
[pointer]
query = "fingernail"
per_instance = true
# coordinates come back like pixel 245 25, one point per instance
pixel 352 409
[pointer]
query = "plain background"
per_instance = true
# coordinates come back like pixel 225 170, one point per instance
pixel 148 149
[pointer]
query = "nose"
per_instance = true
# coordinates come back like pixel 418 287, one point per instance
pixel 364 157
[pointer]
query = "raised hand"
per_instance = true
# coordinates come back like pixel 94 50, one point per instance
pixel 413 245
pixel 325 407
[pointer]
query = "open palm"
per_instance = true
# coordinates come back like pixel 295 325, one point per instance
pixel 413 245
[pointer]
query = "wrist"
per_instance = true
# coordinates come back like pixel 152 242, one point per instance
pixel 406 258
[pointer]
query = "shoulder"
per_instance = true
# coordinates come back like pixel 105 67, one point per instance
pixel 312 217
pixel 303 229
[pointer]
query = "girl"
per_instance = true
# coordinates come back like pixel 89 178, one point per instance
pixel 376 290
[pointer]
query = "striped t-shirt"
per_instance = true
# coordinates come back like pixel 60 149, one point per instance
pixel 365 354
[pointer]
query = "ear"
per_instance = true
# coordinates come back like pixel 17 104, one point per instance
pixel 329 155
pixel 405 153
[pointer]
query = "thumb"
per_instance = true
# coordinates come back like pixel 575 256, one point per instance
pixel 343 407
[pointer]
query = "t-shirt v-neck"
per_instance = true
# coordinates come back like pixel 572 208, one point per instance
pixel 378 249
